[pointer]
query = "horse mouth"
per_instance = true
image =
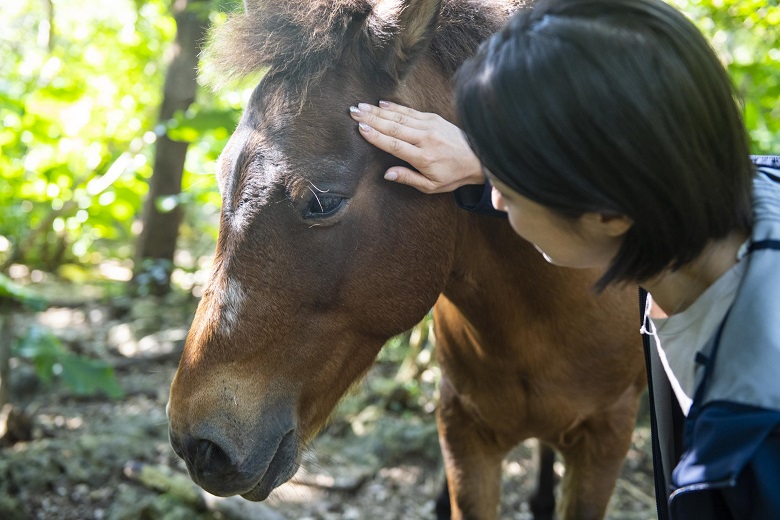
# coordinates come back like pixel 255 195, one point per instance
pixel 282 467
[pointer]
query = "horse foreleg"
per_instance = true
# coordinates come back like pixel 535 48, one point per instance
pixel 542 501
pixel 593 455
pixel 443 509
pixel 472 460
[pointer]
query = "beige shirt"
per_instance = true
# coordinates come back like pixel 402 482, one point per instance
pixel 681 335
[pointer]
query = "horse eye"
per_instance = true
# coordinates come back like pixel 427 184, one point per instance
pixel 323 205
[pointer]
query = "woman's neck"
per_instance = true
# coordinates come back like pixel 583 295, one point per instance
pixel 675 291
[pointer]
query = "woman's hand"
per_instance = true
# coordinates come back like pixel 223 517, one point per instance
pixel 435 147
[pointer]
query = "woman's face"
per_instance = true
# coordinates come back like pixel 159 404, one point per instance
pixel 589 241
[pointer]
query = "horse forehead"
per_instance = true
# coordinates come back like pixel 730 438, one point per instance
pixel 292 138
pixel 300 157
pixel 289 143
pixel 244 167
pixel 305 151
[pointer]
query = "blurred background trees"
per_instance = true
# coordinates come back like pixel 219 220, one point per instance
pixel 746 35
pixel 162 213
pixel 84 105
pixel 96 122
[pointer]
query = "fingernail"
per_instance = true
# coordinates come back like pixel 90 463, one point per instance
pixel 384 104
pixel 364 127
pixel 391 175
pixel 355 111
pixel 364 106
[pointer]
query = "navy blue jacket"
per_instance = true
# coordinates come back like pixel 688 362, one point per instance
pixel 477 199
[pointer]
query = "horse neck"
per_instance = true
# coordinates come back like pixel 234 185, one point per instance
pixel 485 249
pixel 499 280
pixel 494 272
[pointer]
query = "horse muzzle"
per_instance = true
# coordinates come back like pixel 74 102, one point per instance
pixel 220 466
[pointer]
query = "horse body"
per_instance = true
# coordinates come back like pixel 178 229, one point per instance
pixel 527 350
pixel 319 261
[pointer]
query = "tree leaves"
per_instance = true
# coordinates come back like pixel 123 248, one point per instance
pixel 746 34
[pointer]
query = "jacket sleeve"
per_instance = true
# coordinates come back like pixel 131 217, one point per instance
pixel 476 198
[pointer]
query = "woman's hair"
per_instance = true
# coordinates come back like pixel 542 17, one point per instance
pixel 618 107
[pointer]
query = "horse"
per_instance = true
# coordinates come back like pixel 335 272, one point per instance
pixel 319 261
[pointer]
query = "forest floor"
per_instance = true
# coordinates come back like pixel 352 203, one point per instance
pixel 98 458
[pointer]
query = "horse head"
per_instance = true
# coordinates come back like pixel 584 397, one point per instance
pixel 319 260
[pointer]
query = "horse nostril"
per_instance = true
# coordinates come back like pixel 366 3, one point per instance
pixel 210 457
pixel 204 456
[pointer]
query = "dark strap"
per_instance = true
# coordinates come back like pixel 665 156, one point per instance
pixel 477 199
pixel 771 176
pixel 658 470
pixel 764 244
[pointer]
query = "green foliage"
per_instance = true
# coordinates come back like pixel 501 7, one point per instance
pixel 207 125
pixel 83 376
pixel 746 34
pixel 15 292
pixel 79 99
pixel 77 105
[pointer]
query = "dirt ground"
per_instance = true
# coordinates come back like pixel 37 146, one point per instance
pixel 98 458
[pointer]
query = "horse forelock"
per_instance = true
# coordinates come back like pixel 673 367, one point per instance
pixel 298 38
pixel 301 39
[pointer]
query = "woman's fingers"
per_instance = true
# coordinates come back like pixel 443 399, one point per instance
pixel 397 113
pixel 394 108
pixel 432 146
pixel 390 123
pixel 393 145
pixel 412 178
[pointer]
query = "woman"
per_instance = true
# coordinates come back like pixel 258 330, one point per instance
pixel 611 137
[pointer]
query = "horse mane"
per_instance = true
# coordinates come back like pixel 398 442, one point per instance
pixel 303 38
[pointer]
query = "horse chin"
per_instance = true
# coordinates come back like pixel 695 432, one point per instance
pixel 282 468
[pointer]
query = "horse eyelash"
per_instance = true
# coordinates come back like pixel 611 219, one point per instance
pixel 316 197
pixel 316 188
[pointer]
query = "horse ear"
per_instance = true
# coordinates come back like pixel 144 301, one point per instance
pixel 411 24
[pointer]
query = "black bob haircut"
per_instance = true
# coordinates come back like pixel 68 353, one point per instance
pixel 618 107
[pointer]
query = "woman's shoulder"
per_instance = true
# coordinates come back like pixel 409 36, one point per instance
pixel 766 186
pixel 769 165
pixel 768 161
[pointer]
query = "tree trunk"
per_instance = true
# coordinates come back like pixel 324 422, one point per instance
pixel 162 212
pixel 5 356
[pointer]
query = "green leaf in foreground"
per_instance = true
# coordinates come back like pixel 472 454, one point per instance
pixel 83 376
pixel 15 292
pixel 86 376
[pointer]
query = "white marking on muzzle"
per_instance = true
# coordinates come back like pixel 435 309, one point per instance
pixel 231 301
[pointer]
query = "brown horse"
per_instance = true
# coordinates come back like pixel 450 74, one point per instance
pixel 320 261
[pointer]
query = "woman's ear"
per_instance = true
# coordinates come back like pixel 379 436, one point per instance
pixel 611 225
pixel 615 224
